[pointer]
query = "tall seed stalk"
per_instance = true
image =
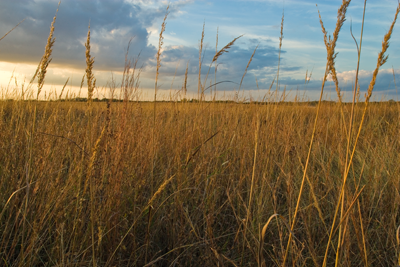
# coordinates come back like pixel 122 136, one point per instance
pixel 382 58
pixel 41 73
pixel 46 58
pixel 91 83
pixel 215 68
pixel 245 71
pixel 256 136
pixel 331 44
pixel 199 86
pixel 349 136
pixel 215 58
pixel 279 57
pixel 158 56
pixel 185 81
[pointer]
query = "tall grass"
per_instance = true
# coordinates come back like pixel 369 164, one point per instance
pixel 212 183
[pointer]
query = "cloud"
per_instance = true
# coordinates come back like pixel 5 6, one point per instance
pixel 383 82
pixel 231 65
pixel 113 24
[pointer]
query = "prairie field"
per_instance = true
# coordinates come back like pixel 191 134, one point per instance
pixel 196 187
pixel 200 182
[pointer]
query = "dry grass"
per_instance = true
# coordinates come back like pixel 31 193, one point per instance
pixel 207 183
pixel 203 206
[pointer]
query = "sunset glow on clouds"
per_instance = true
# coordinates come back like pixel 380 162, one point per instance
pixel 114 23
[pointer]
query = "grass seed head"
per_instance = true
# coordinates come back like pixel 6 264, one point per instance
pixel 225 49
pixel 382 58
pixel 46 58
pixel 89 68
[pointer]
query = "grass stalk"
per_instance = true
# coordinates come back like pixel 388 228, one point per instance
pixel 185 80
pixel 91 85
pixel 216 67
pixel 350 129
pixel 158 57
pixel 330 56
pixel 279 57
pixel 62 89
pixel 41 73
pixel 245 71
pixel 382 58
pixel 398 243
pixel 395 85
pixel 11 30
pixel 92 185
pixel 252 183
pixel 199 86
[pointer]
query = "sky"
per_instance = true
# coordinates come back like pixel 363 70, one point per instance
pixel 113 23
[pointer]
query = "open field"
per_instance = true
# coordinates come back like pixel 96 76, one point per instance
pixel 124 182
pixel 180 190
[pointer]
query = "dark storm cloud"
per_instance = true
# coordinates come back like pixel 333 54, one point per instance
pixel 112 23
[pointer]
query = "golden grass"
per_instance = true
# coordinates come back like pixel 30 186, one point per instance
pixel 89 185
pixel 205 202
